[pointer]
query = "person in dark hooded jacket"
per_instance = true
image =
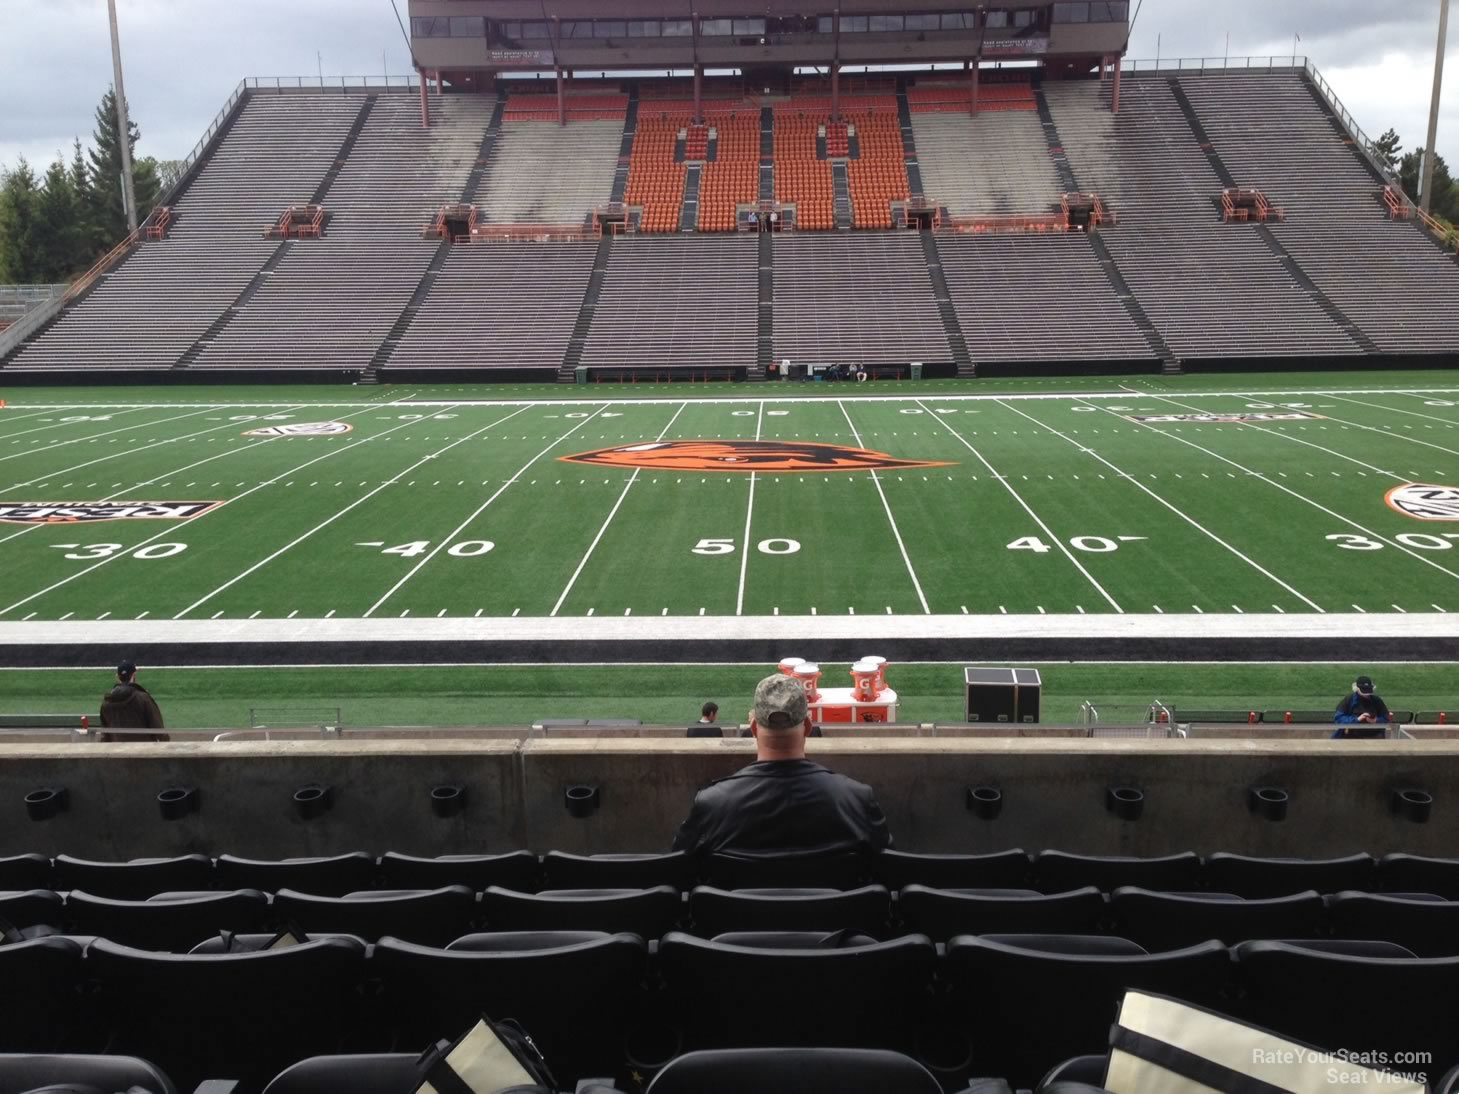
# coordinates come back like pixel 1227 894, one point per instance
pixel 130 706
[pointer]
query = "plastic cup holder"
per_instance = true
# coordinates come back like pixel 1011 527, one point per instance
pixel 45 802
pixel 176 802
pixel 985 802
pixel 1269 802
pixel 448 800
pixel 1125 802
pixel 582 800
pixel 1413 804
pixel 313 801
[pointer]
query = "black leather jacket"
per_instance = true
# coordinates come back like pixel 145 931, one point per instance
pixel 784 807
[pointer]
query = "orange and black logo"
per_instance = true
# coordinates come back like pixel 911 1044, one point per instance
pixel 764 456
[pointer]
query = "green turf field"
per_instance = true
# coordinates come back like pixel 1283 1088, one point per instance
pixel 1036 498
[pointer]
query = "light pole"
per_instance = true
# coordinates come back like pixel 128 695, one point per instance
pixel 1428 180
pixel 124 129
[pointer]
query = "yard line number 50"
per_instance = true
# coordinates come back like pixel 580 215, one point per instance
pixel 765 547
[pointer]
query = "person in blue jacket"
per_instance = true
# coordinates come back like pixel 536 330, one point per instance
pixel 1361 713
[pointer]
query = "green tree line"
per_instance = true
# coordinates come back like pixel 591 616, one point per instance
pixel 1408 166
pixel 54 226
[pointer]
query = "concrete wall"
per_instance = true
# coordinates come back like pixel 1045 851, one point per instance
pixel 1054 790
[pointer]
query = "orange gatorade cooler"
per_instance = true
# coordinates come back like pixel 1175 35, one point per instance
pixel 809 674
pixel 864 673
pixel 788 665
pixel 881 671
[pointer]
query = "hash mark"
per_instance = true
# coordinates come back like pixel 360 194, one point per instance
pixel 514 612
pixel 217 615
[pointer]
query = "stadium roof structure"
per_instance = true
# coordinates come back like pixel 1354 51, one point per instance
pixel 464 39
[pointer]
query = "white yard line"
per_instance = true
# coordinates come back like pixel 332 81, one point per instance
pixel 1391 410
pixel 393 480
pixel 896 532
pixel 172 528
pixel 609 519
pixel 479 510
pixel 44 428
pixel 1178 512
pixel 1027 509
pixel 749 512
pixel 1300 497
pixel 108 433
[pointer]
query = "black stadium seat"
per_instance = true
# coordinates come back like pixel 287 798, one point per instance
pixel 166 924
pixel 25 872
pixel 237 1016
pixel 430 917
pixel 134 880
pixel 333 876
pixel 1398 873
pixel 34 912
pixel 564 871
pixel 715 911
pixel 81 1074
pixel 1168 921
pixel 647 913
pixel 376 1073
pixel 821 994
pixel 1428 927
pixel 1058 872
pixel 1033 1000
pixel 774 871
pixel 1266 877
pixel 1001 870
pixel 39 982
pixel 943 913
pixel 518 870
pixel 794 1071
pixel 574 992
pixel 1356 1003
pixel 253 943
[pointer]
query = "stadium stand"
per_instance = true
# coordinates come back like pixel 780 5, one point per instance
pixel 802 178
pixel 541 172
pixel 655 180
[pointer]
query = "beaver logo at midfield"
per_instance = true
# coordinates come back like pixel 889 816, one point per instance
pixel 764 456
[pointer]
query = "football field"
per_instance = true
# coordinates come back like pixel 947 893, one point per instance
pixel 1129 498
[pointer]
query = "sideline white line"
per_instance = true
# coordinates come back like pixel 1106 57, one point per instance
pixel 172 529
pixel 358 501
pixel 1300 497
pixel 749 511
pixel 108 433
pixel 1036 519
pixel 896 532
pixel 1181 514
pixel 481 509
pixel 373 665
pixel 609 518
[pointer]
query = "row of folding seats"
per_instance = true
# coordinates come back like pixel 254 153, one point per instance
pixel 1047 871
pixel 1011 1005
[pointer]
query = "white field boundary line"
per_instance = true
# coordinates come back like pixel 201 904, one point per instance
pixel 108 433
pixel 173 529
pixel 44 428
pixel 1036 396
pixel 749 512
pixel 483 507
pixel 1027 509
pixel 1395 410
pixel 633 478
pixel 1300 497
pixel 896 532
pixel 1178 512
pixel 686 628
pixel 394 479
pixel 129 452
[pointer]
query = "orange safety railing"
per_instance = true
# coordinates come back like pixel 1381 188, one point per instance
pixel 102 266
pixel 531 233
pixel 157 222
pixel 1010 222
pixel 440 228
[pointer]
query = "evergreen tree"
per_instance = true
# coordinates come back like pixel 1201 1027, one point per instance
pixel 1444 203
pixel 1387 147
pixel 107 208
pixel 87 241
pixel 56 227
pixel 18 226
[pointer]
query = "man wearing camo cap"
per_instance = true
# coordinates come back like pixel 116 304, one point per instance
pixel 783 803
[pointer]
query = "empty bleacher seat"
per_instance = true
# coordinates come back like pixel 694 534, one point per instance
pixel 945 913
pixel 1058 871
pixel 999 870
pixel 1032 1000
pixel 25 872
pixel 42 979
pixel 1427 925
pixel 1400 873
pixel 574 993
pixel 715 911
pixel 1168 921
pixel 801 1070
pixel 1249 876
pixel 431 917
pixel 241 1016
pixel 566 871
pixel 331 876
pixel 172 922
pixel 644 912
pixel 869 995
pixel 519 870
pixel 33 912
pixel 81 1074
pixel 134 880
pixel 370 1073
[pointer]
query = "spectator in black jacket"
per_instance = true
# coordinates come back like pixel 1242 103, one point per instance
pixel 783 803
pixel 129 706
pixel 1362 713
pixel 707 726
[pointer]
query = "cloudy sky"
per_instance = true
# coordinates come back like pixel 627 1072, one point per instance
pixel 184 57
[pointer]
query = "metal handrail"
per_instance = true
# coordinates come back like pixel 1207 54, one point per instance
pixel 279 83
pixel 1212 64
